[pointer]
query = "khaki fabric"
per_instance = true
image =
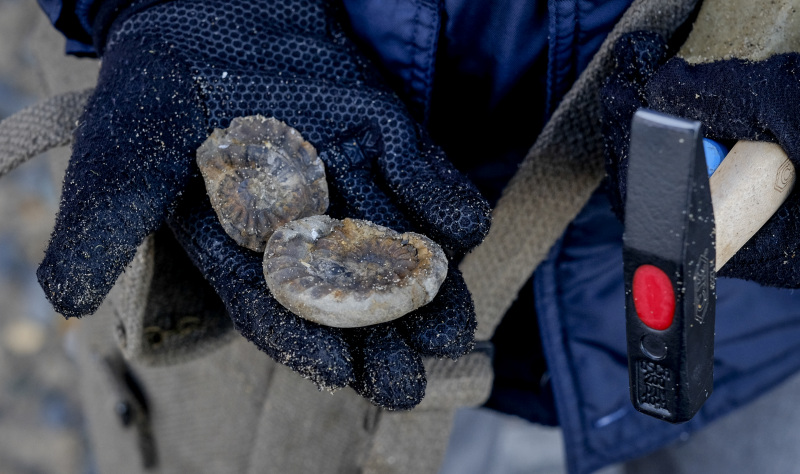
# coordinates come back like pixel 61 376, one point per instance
pixel 166 312
pixel 202 415
pixel 235 410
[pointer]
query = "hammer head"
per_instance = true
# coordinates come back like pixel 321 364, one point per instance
pixel 670 284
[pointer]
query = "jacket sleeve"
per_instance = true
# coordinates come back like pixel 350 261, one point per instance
pixel 71 18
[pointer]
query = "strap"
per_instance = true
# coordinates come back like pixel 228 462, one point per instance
pixel 556 178
pixel 40 127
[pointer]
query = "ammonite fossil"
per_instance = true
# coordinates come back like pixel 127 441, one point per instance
pixel 351 273
pixel 261 174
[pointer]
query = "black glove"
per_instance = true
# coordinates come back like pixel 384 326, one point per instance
pixel 173 71
pixel 735 100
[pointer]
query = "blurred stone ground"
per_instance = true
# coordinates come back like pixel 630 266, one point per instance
pixel 41 429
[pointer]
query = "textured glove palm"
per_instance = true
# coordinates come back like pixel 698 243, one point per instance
pixel 174 71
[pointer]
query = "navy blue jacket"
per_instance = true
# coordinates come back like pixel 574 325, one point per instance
pixel 470 68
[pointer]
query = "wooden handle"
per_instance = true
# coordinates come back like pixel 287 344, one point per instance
pixel 752 182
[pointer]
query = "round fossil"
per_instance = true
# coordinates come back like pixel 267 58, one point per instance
pixel 351 273
pixel 261 174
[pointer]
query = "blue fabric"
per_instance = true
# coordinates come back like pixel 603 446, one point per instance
pixel 491 66
pixel 580 304
pixel 82 12
pixel 522 384
pixel 69 17
pixel 51 8
pixel 496 39
pixel 576 30
pixel 404 35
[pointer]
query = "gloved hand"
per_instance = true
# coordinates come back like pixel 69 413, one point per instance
pixel 173 71
pixel 735 100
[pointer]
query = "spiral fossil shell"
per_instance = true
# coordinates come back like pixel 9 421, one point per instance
pixel 261 174
pixel 351 273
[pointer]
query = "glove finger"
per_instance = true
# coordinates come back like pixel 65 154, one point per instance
pixel 236 274
pixel 131 157
pixel 354 193
pixel 388 372
pixel 636 56
pixel 445 326
pixel 442 201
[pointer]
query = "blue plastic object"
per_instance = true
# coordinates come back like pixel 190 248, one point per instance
pixel 715 153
